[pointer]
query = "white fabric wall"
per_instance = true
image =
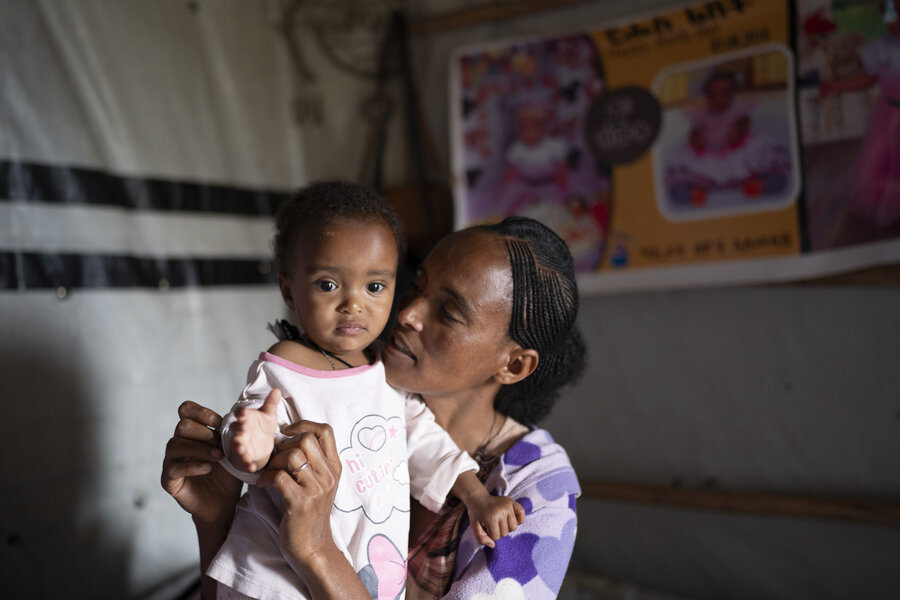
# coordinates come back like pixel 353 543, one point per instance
pixel 92 381
pixel 781 389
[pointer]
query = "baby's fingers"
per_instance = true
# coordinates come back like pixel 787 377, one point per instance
pixel 511 522
pixel 270 406
pixel 520 514
pixel 483 538
pixel 493 528
pixel 502 526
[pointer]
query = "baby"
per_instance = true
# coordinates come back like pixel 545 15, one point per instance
pixel 337 249
pixel 723 153
pixel 722 123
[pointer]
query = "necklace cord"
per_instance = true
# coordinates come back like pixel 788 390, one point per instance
pixel 482 451
pixel 328 355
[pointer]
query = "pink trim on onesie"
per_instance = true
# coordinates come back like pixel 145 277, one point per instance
pixel 312 372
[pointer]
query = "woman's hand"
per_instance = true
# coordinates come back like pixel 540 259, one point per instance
pixel 306 470
pixel 190 471
pixel 193 476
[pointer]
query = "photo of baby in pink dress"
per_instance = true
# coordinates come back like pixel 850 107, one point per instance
pixel 728 146
pixel 521 145
pixel 875 195
pixel 849 67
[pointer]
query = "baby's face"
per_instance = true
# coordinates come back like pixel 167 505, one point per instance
pixel 531 129
pixel 341 284
pixel 719 94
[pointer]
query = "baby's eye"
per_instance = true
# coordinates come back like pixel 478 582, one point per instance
pixel 375 287
pixel 326 286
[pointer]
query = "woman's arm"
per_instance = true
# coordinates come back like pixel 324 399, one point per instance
pixel 306 471
pixel 192 475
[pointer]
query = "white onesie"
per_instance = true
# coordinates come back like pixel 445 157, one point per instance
pixel 378 430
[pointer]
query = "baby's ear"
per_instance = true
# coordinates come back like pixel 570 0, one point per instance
pixel 520 363
pixel 285 287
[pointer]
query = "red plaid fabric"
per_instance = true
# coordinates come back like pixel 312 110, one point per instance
pixel 433 556
pixel 431 560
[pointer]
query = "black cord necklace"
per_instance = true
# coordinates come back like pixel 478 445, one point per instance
pixel 292 333
pixel 486 459
pixel 328 355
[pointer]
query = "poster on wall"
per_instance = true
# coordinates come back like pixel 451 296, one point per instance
pixel 673 149
pixel 848 77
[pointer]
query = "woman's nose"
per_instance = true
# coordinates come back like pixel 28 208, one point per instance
pixel 410 313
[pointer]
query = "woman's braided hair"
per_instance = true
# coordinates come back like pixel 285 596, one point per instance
pixel 544 309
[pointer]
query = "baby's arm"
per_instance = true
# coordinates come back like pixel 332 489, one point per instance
pixel 492 517
pixel 438 467
pixel 253 426
pixel 253 432
pixel 248 429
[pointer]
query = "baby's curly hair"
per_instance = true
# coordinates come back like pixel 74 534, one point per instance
pixel 544 309
pixel 321 203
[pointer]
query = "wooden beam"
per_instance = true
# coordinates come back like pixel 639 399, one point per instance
pixel 485 13
pixel 856 510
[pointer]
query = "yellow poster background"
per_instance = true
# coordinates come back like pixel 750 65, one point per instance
pixel 660 55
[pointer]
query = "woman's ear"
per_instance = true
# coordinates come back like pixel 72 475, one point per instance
pixel 285 287
pixel 520 363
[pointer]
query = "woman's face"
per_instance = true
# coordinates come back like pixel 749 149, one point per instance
pixel 452 329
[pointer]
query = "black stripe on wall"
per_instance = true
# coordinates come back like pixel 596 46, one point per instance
pixel 33 271
pixel 67 185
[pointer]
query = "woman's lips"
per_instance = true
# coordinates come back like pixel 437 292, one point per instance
pixel 398 344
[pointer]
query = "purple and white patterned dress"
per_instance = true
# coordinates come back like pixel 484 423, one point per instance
pixel 530 562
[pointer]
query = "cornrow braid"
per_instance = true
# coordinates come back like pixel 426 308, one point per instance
pixel 544 311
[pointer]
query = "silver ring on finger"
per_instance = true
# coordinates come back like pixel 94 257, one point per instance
pixel 300 468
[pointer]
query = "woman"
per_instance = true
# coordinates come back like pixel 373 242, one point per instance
pixel 487 336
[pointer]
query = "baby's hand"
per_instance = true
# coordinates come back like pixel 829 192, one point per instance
pixel 493 517
pixel 253 435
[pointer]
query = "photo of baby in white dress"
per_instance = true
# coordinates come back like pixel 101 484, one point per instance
pixel 727 144
pixel 521 147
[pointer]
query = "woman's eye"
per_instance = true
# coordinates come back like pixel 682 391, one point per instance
pixel 375 287
pixel 326 286
pixel 447 316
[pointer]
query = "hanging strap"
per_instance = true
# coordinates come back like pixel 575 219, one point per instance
pixel 425 205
